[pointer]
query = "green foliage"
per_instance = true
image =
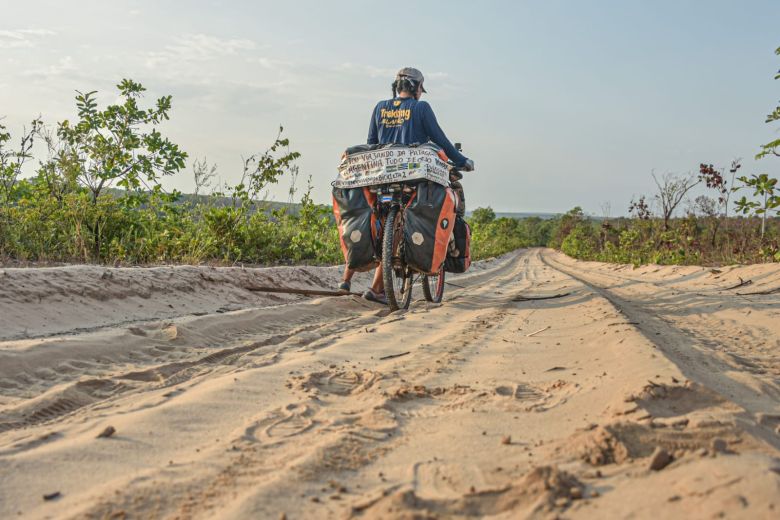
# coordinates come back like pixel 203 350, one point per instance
pixel 119 146
pixel 70 210
pixel 491 236
pixel 581 242
pixel 12 160
pixel 711 238
pixel 771 147
pixel 482 216
pixel 564 225
pixel 688 241
pixel 97 198
pixel 763 187
pixel 116 145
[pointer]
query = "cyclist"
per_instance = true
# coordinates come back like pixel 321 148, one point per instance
pixel 404 119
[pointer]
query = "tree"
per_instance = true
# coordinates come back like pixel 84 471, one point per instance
pixel 262 169
pixel 118 146
pixel 115 146
pixel 710 209
pixel 565 224
pixel 12 160
pixel 763 188
pixel 672 189
pixel 482 216
pixel 714 179
pixel 203 174
pixel 640 209
pixel 771 148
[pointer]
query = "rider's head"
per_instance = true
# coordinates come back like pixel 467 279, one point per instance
pixel 409 81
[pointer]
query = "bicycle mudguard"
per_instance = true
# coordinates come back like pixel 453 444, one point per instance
pixel 429 219
pixel 353 209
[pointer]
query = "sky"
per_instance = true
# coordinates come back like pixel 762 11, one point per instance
pixel 559 103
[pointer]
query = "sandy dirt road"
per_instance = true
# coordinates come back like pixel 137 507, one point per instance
pixel 542 387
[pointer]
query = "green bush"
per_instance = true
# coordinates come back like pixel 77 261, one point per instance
pixel 97 198
pixel 491 236
pixel 581 242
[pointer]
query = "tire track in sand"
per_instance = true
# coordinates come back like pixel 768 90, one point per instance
pixel 494 393
pixel 690 351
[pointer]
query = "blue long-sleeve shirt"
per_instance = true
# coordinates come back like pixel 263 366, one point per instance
pixel 408 121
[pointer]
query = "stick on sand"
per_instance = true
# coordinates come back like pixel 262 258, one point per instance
pixel 537 332
pixel 391 356
pixel 305 292
pixel 521 298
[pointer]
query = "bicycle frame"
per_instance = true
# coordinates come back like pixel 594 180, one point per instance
pixel 399 278
pixel 389 196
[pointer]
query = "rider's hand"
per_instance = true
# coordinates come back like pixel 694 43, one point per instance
pixel 469 166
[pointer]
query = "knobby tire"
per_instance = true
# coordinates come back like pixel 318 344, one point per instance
pixel 390 242
pixel 433 286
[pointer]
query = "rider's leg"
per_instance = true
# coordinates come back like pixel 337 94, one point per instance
pixel 376 293
pixel 378 285
pixel 346 285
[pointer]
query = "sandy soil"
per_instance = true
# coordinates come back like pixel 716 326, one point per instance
pixel 634 393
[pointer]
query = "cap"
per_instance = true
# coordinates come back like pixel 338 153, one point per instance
pixel 413 74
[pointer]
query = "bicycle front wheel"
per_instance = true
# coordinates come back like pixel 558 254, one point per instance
pixel 396 276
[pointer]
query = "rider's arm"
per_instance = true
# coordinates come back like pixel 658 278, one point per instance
pixel 436 134
pixel 373 131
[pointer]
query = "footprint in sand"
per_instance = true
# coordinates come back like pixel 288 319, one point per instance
pixel 439 480
pixel 61 403
pixel 521 391
pixel 537 398
pixel 340 382
pixel 293 420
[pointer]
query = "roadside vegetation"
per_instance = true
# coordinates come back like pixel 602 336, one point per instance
pixel 96 196
pixel 491 236
pixel 91 192
pixel 726 218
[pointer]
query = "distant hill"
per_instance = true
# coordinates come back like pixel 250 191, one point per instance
pixel 220 201
pixel 520 216
pixel 293 207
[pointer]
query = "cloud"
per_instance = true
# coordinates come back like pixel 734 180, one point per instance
pixel 198 47
pixel 367 70
pixel 441 81
pixel 63 66
pixel 22 38
pixel 379 72
pixel 269 63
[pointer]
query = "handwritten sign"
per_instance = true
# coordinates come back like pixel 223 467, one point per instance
pixel 391 165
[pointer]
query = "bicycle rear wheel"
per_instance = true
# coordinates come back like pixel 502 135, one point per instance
pixel 395 274
pixel 433 286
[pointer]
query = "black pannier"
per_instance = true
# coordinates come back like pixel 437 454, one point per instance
pixel 429 219
pixel 354 212
pixel 459 260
